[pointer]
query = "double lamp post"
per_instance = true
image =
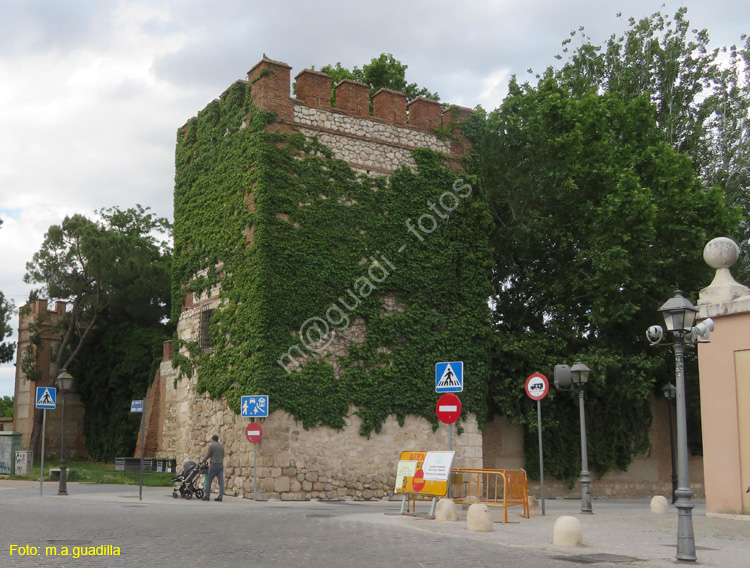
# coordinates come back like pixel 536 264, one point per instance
pixel 679 316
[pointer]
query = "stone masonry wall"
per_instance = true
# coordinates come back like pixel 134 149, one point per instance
pixel 294 463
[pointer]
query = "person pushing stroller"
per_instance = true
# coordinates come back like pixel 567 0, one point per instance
pixel 216 469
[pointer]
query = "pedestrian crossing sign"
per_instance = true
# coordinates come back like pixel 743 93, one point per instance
pixel 46 397
pixel 449 377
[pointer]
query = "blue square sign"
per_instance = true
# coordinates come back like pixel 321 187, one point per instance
pixel 449 377
pixel 46 397
pixel 255 406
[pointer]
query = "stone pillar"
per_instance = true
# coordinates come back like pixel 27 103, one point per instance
pixel 724 366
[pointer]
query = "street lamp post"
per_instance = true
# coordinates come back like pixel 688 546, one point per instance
pixel 579 376
pixel 576 378
pixel 670 393
pixel 64 383
pixel 679 315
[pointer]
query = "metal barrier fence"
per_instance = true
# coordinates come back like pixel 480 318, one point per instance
pixel 493 487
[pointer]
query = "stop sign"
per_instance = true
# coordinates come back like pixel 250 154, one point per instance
pixel 254 432
pixel 448 408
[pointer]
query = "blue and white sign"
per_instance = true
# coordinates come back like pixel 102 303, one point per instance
pixel 136 406
pixel 449 377
pixel 46 397
pixel 254 406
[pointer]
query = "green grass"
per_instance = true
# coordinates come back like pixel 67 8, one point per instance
pixel 97 472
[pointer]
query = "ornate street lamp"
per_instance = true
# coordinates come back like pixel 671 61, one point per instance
pixel 576 378
pixel 679 316
pixel 670 393
pixel 64 383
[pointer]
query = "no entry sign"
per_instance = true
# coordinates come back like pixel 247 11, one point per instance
pixel 254 432
pixel 448 408
pixel 418 481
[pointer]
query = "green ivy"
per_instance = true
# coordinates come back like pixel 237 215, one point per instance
pixel 318 229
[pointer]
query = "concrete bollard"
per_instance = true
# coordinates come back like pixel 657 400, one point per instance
pixel 567 532
pixel 446 510
pixel 535 507
pixel 479 518
pixel 659 505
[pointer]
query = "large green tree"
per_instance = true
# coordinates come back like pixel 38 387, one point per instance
pixel 597 220
pixel 113 272
pixel 701 95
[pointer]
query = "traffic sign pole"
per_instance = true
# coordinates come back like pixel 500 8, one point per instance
pixel 44 428
pixel 541 450
pixel 143 445
pixel 537 387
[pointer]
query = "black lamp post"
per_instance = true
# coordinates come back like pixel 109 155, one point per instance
pixel 679 317
pixel 64 383
pixel 670 393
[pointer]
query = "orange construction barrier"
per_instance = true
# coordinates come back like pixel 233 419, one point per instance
pixel 493 487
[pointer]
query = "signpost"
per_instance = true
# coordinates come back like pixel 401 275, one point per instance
pixel 46 399
pixel 537 387
pixel 254 406
pixel 136 406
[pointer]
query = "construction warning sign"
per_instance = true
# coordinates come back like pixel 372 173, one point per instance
pixel 424 473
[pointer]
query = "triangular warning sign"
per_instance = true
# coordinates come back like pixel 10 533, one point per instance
pixel 448 379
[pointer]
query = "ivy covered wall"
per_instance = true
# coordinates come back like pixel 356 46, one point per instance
pixel 338 290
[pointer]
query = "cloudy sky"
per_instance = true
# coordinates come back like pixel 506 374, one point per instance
pixel 93 91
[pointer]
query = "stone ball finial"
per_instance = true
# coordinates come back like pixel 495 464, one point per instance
pixel 721 252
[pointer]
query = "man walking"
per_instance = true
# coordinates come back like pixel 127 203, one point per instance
pixel 216 469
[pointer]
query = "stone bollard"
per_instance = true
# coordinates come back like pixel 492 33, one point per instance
pixel 535 507
pixel 446 510
pixel 659 504
pixel 567 532
pixel 479 518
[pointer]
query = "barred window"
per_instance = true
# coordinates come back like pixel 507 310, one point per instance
pixel 204 329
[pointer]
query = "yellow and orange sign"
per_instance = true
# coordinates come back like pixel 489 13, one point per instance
pixel 410 476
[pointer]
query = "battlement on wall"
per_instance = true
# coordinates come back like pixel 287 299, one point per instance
pixel 271 90
pixel 374 142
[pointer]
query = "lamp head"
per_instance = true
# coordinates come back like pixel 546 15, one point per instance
pixel 670 391
pixel 64 381
pixel 679 313
pixel 579 373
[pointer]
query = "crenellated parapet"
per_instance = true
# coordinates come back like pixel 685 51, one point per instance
pixel 373 136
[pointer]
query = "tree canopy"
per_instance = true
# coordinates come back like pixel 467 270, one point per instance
pixel 114 273
pixel 701 96
pixel 597 221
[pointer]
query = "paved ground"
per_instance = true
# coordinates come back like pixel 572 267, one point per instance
pixel 163 532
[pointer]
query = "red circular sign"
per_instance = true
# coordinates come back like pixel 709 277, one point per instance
pixel 417 481
pixel 254 432
pixel 448 408
pixel 537 386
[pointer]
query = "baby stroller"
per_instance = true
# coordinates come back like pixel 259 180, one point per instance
pixel 187 480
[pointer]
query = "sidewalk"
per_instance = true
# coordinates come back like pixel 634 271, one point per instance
pixel 623 528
